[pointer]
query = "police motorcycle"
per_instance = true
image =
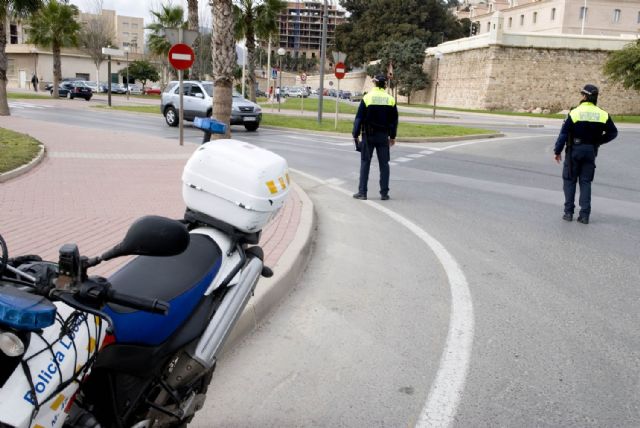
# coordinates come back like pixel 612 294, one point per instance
pixel 138 349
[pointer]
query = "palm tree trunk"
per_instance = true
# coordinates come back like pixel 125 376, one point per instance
pixel 57 70
pixel 251 54
pixel 192 24
pixel 223 60
pixel 4 62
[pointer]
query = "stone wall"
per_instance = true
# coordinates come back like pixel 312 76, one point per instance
pixel 524 72
pixel 524 79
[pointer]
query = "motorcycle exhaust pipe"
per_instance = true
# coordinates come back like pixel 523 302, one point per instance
pixel 227 314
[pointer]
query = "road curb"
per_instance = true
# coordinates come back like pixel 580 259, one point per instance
pixel 270 291
pixel 24 168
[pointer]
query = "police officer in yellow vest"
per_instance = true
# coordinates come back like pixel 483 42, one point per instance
pixel 377 120
pixel 585 129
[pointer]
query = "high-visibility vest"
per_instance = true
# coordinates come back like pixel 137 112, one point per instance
pixel 588 112
pixel 378 97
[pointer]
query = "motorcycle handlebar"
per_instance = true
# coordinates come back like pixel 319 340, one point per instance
pixel 149 305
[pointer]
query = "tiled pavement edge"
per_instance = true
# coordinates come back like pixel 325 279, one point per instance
pixel 92 184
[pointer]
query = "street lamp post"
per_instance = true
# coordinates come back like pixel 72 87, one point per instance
pixel 323 54
pixel 126 51
pixel 281 53
pixel 435 91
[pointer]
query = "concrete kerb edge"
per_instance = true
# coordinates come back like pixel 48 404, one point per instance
pixel 270 291
pixel 24 168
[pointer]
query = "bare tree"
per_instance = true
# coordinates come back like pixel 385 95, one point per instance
pixel 96 33
pixel 223 60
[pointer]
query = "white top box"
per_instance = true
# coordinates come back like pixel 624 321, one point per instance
pixel 236 182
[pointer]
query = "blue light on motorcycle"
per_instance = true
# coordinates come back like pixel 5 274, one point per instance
pixel 25 311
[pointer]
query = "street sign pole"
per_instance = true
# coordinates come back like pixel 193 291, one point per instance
pixel 181 91
pixel 337 101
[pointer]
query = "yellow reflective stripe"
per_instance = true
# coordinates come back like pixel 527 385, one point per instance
pixel 272 187
pixel 57 402
pixel 282 184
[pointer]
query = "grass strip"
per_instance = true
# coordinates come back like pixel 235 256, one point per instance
pixel 405 130
pixel 16 149
pixel 27 95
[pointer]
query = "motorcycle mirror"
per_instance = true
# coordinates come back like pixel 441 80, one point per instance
pixel 152 236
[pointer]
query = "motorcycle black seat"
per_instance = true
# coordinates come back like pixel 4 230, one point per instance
pixel 180 280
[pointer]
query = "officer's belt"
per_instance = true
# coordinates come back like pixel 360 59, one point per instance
pixel 578 141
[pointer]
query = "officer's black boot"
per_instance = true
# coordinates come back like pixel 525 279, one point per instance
pixel 360 196
pixel 583 219
pixel 567 217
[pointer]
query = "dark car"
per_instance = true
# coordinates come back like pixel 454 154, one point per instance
pixel 73 90
pixel 345 95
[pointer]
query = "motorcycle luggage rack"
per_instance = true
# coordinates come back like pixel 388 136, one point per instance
pixel 197 218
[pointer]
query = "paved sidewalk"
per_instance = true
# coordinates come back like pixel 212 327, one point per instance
pixel 93 184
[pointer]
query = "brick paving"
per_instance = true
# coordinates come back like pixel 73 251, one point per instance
pixel 93 184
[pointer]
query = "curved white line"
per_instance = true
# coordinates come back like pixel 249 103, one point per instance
pixel 446 390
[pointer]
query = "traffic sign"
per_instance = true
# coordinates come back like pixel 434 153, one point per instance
pixel 340 70
pixel 181 56
pixel 303 77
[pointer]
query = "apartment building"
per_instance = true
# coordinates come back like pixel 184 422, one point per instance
pixel 25 60
pixel 128 31
pixel 300 27
pixel 616 18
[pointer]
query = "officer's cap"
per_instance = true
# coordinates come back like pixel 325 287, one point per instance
pixel 589 90
pixel 379 78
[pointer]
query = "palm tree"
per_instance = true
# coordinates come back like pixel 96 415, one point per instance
pixel 192 24
pixel 223 57
pixel 54 26
pixel 169 16
pixel 9 8
pixel 255 19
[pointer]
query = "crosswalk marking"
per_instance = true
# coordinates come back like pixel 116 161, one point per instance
pixel 22 105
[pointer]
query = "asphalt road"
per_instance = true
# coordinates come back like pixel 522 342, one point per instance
pixel 536 327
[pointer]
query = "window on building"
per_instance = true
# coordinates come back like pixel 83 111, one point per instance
pixel 134 26
pixel 488 27
pixel 510 21
pixel 125 24
pixel 583 12
pixel 13 31
pixel 125 34
pixel 553 14
pixel 521 19
pixel 616 16
pixel 535 17
pixel 638 17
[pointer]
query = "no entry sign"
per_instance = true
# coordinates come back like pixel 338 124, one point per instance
pixel 181 56
pixel 340 70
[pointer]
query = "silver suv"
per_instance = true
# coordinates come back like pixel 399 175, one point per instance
pixel 198 102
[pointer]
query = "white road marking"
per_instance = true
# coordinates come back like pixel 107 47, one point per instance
pixel 402 159
pixel 427 152
pixel 392 163
pixel 416 155
pixel 448 386
pixel 335 181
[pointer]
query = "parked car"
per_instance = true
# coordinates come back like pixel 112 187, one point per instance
pixel 74 89
pixel 296 91
pixel 198 102
pixel 344 95
pixel 118 88
pixel 154 90
pixel 93 85
pixel 356 96
pixel 135 89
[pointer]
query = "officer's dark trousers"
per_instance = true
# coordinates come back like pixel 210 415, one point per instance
pixel 380 143
pixel 579 166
